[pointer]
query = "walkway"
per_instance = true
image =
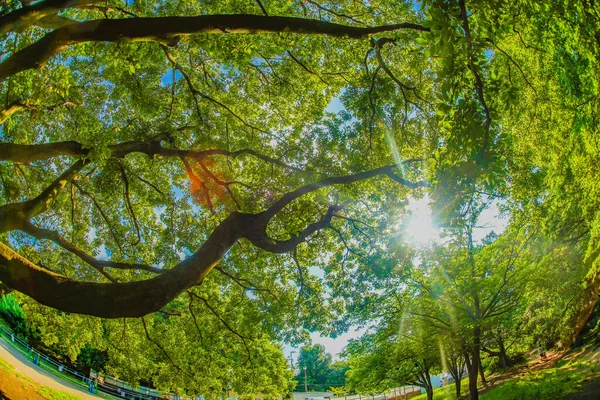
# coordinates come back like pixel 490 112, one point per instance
pixel 26 368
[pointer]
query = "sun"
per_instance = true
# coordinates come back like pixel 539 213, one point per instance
pixel 418 225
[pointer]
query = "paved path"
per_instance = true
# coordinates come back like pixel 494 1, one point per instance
pixel 25 367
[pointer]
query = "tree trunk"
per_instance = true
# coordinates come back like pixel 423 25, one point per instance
pixel 457 386
pixel 503 358
pixel 481 372
pixel 475 363
pixel 429 391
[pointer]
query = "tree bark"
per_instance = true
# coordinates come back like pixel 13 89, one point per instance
pixel 474 364
pixel 481 371
pixel 136 299
pixel 118 300
pixel 429 391
pixel 23 17
pixel 25 153
pixel 10 110
pixel 169 30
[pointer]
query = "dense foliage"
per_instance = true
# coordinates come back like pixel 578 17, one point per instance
pixel 186 184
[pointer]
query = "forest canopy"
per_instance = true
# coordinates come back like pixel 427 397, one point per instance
pixel 215 178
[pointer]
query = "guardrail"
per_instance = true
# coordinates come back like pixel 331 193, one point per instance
pixel 107 384
pixel 39 358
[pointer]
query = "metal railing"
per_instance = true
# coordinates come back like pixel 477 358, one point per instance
pixel 108 384
pixel 39 358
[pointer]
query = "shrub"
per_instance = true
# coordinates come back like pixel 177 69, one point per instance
pixel 12 312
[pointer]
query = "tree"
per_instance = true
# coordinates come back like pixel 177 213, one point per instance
pixel 314 365
pixel 178 158
pixel 398 354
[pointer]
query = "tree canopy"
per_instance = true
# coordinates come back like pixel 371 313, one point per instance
pixel 229 174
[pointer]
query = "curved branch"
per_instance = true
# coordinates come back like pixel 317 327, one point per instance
pixel 240 283
pixel 168 30
pixel 47 234
pixel 102 213
pixel 12 213
pixel 25 153
pixel 118 300
pixel 478 80
pixel 128 204
pixel 291 196
pixel 136 299
pixel 18 105
pixel 229 328
pixel 260 239
pixel 177 367
pixel 42 13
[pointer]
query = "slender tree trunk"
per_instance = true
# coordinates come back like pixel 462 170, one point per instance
pixel 429 391
pixel 482 372
pixel 503 357
pixel 475 363
pixel 457 386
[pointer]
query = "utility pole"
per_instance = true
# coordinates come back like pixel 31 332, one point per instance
pixel 305 381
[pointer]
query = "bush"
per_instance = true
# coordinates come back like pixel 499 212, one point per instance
pixel 12 312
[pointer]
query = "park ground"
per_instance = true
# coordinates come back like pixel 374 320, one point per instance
pixel 21 380
pixel 573 375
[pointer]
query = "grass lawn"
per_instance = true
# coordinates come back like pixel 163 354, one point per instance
pixel 565 377
pixel 447 392
pixel 549 383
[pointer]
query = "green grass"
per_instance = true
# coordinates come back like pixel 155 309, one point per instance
pixel 566 377
pixel 48 367
pixel 6 366
pixel 43 364
pixel 551 383
pixel 447 392
pixel 53 394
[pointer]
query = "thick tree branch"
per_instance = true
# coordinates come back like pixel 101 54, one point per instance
pixel 478 80
pixel 261 240
pixel 118 300
pixel 43 14
pixel 12 108
pixel 25 153
pixel 136 299
pixel 291 196
pixel 168 30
